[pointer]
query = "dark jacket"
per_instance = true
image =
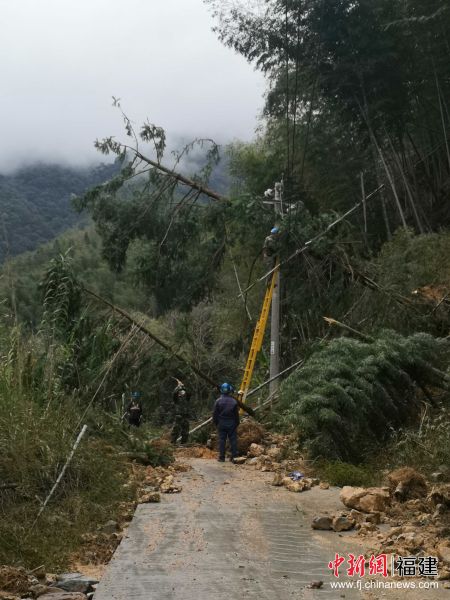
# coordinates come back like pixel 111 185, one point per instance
pixel 134 411
pixel 181 402
pixel 226 409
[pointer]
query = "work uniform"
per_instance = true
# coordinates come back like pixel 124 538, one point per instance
pixel 270 250
pixel 182 412
pixel 226 419
pixel 134 413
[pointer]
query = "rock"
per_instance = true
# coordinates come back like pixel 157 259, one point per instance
pixel 367 500
pixel 167 486
pixel 411 541
pixel 323 523
pixel 443 551
pixel 446 585
pixel 253 461
pixel 240 460
pixel 275 453
pixel 440 495
pixel 437 477
pixel 366 528
pixel 315 585
pixel 343 523
pixel 15 580
pixel 277 480
pixel 150 497
pixel 255 450
pixel 109 527
pixel 444 574
pixel 361 517
pixel 324 485
pixel 406 483
pixel 75 582
pixel 295 486
pixel 311 481
pixel 286 481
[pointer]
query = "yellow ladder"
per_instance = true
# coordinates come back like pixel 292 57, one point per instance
pixel 258 337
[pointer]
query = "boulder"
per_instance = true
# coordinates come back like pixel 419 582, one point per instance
pixel 342 523
pixel 324 523
pixel 255 450
pixel 324 485
pixel 75 582
pixel 240 460
pixel 368 500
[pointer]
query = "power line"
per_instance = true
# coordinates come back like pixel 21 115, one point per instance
pixel 314 239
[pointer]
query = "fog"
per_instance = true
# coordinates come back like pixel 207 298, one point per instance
pixel 61 61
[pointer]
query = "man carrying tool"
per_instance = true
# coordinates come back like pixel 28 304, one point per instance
pixel 182 411
pixel 226 419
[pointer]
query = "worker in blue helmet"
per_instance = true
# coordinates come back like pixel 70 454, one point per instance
pixel 134 409
pixel 271 247
pixel 226 419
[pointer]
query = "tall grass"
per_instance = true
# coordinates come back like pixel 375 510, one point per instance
pixel 39 422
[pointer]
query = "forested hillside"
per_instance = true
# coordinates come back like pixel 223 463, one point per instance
pixel 35 203
pixel 357 130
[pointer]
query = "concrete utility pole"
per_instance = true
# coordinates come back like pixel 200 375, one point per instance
pixel 275 310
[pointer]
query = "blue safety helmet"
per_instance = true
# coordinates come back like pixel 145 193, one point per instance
pixel 226 388
pixel 135 394
pixel 274 230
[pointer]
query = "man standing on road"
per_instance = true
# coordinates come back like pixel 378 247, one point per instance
pixel 226 419
pixel 182 412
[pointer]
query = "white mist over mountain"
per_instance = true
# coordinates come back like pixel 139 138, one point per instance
pixel 62 61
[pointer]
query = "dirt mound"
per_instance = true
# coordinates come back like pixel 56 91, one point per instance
pixel 13 580
pixel 407 484
pixel 249 432
pixel 196 452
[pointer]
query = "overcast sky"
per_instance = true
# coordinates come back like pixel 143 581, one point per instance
pixel 62 60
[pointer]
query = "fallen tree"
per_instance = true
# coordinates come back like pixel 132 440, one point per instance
pixel 352 392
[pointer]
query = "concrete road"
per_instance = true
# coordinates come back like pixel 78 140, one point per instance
pixel 228 535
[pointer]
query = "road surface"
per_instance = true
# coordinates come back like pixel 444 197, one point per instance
pixel 228 535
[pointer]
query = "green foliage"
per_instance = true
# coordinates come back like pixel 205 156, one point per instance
pixel 341 473
pixel 350 394
pixel 426 447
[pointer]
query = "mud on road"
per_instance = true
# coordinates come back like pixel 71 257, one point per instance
pixel 230 535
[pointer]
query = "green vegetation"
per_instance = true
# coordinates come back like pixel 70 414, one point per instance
pixel 350 394
pixel 357 104
pixel 341 473
pixel 35 203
